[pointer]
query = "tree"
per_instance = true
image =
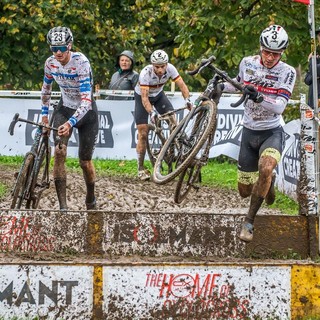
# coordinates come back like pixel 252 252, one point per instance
pixel 187 30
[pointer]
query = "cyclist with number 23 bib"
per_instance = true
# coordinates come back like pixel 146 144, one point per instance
pixel 269 83
pixel 76 108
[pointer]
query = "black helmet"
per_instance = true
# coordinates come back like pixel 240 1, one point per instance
pixel 59 36
pixel 128 54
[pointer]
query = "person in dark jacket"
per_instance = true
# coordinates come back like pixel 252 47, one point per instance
pixel 125 78
pixel 308 77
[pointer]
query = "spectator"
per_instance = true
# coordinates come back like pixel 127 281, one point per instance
pixel 125 78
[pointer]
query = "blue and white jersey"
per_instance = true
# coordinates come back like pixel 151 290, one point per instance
pixel 75 82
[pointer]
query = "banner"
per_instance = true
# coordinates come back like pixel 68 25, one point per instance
pixel 117 137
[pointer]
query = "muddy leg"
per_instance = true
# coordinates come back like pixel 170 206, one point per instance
pixel 60 177
pixel 89 175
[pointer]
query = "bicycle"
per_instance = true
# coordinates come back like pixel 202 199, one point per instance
pixel 192 138
pixel 33 176
pixel 158 134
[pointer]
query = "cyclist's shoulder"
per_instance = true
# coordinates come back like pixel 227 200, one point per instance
pixel 79 56
pixel 50 59
pixel 287 67
pixel 171 67
pixel 253 59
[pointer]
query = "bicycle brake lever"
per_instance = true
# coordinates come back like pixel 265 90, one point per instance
pixel 13 123
pixel 243 99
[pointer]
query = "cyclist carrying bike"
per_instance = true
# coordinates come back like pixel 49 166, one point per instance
pixel 76 108
pixel 150 99
pixel 269 83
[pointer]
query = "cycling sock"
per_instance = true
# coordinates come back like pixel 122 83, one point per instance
pixel 90 192
pixel 61 189
pixel 141 160
pixel 255 204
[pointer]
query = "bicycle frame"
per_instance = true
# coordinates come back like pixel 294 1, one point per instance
pixel 27 188
pixel 190 175
pixel 158 133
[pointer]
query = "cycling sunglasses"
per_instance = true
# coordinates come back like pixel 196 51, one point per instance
pixel 59 48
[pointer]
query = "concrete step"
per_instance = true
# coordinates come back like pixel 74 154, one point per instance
pixel 116 265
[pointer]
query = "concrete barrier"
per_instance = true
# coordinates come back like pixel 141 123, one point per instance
pixel 131 289
pixel 156 234
pixel 113 265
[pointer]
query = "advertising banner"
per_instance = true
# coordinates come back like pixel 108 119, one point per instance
pixel 146 292
pixel 46 292
pixel 117 137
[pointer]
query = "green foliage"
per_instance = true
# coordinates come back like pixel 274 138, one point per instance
pixel 187 30
pixel 221 173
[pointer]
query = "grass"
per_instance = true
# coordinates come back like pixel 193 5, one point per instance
pixel 218 173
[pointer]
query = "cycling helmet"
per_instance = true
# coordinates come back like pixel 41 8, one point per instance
pixel 274 38
pixel 59 36
pixel 159 57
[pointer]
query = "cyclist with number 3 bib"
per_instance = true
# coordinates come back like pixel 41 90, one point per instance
pixel 76 108
pixel 150 99
pixel 269 84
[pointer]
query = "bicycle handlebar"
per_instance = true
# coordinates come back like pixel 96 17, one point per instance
pixel 208 63
pixel 169 113
pixel 16 119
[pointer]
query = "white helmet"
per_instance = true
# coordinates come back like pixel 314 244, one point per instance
pixel 159 57
pixel 274 38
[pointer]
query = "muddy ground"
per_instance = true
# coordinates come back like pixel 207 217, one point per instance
pixel 132 195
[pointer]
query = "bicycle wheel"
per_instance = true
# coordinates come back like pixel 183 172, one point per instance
pixel 19 189
pixel 185 142
pixel 40 174
pixel 188 178
pixel 155 142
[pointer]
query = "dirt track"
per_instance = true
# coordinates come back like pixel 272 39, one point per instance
pixel 130 194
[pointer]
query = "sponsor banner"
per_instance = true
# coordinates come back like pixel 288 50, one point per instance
pixel 288 170
pixel 208 292
pixel 42 231
pixel 172 234
pixel 46 292
pixel 117 137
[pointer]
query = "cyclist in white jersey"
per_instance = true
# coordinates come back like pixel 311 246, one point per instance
pixel 150 99
pixel 269 83
pixel 76 108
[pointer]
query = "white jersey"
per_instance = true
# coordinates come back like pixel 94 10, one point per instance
pixel 75 82
pixel 148 78
pixel 276 85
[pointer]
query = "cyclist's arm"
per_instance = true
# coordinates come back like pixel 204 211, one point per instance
pixel 85 87
pixel 276 105
pixel 183 87
pixel 277 102
pixel 46 92
pixel 145 98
